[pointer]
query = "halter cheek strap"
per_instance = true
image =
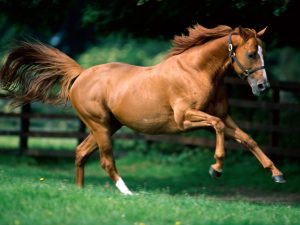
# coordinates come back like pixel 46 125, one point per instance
pixel 246 71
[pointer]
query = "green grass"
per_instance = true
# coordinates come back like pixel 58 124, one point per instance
pixel 171 189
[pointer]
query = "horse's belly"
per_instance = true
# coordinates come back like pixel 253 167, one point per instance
pixel 147 122
pixel 152 127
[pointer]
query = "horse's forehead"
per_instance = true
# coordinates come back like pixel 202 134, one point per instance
pixel 253 43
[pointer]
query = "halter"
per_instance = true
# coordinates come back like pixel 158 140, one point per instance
pixel 246 72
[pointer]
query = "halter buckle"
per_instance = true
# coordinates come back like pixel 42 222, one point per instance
pixel 247 72
pixel 230 47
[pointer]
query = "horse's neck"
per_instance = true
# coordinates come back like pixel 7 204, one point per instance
pixel 210 58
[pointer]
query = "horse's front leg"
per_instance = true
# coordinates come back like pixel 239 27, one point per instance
pixel 195 119
pixel 234 132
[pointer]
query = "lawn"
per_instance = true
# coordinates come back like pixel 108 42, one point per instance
pixel 169 189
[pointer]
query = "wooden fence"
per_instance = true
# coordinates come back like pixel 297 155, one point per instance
pixel 273 128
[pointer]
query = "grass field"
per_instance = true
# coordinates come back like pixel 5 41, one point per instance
pixel 170 189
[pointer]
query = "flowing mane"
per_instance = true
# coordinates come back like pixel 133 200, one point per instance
pixel 198 35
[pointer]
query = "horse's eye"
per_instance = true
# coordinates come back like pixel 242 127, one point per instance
pixel 252 55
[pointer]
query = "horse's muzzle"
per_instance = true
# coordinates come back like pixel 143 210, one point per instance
pixel 258 87
pixel 263 86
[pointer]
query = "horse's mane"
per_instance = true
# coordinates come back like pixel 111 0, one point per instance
pixel 198 35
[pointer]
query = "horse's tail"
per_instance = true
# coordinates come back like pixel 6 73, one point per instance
pixel 31 70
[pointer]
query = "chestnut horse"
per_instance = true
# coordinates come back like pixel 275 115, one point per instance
pixel 183 92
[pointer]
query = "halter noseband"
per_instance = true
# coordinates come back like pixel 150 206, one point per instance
pixel 246 72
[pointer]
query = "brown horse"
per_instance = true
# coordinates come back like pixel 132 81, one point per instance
pixel 183 92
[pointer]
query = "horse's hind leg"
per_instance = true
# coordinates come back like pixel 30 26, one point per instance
pixel 234 132
pixel 102 134
pixel 83 151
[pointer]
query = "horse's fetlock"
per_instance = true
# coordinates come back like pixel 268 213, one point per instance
pixel 220 155
pixel 268 165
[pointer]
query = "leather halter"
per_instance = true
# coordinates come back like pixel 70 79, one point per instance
pixel 246 71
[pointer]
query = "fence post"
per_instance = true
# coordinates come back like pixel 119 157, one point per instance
pixel 275 117
pixel 25 123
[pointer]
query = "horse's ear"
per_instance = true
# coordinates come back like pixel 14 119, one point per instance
pixel 261 33
pixel 243 33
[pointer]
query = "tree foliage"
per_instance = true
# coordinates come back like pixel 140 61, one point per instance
pixel 79 21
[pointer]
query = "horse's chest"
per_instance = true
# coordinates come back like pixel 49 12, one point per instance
pixel 218 109
pixel 214 103
pixel 219 105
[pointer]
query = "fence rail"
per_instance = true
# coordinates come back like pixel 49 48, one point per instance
pixel 274 129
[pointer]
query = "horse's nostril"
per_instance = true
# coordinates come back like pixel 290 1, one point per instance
pixel 261 87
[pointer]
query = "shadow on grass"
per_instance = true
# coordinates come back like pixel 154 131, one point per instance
pixel 243 180
pixel 198 187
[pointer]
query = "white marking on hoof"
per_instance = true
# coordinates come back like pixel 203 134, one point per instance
pixel 122 187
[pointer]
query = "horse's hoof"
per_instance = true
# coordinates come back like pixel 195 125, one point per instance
pixel 214 173
pixel 279 179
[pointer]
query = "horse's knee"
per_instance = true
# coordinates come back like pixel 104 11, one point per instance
pixel 218 125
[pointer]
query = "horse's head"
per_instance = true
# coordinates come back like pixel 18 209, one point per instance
pixel 247 58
